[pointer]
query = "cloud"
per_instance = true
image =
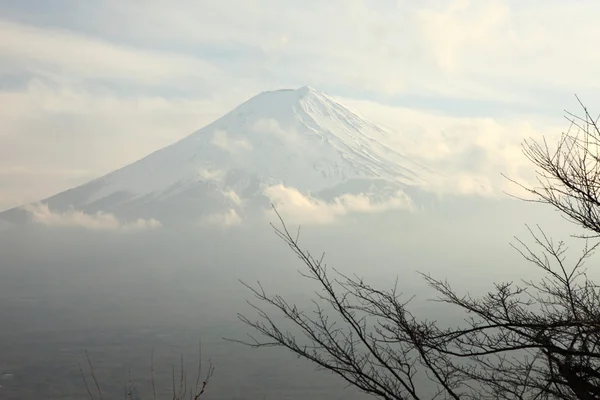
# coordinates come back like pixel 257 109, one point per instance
pixel 452 32
pixel 297 208
pixel 271 127
pixel 490 48
pixel 41 214
pixel 232 145
pixel 103 76
pixel 211 174
pixel 56 137
pixel 69 53
pixel 455 49
pixel 469 154
pixel 226 219
pixel 233 197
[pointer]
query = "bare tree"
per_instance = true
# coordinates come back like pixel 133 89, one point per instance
pixel 532 340
pixel 181 389
pixel 569 176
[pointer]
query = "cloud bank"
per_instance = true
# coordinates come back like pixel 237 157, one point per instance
pixel 469 154
pixel 297 208
pixel 226 219
pixel 41 214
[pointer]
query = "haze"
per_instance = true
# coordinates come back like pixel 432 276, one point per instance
pixel 383 128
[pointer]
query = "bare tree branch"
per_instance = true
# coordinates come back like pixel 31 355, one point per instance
pixel 531 340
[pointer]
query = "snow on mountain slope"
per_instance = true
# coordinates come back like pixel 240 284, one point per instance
pixel 299 138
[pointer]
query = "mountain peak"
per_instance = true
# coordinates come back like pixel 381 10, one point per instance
pixel 301 91
pixel 301 138
pixel 284 98
pixel 306 88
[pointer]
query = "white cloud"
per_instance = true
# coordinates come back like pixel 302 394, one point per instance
pixel 272 128
pixel 460 28
pixel 56 137
pixel 233 196
pixel 68 53
pixel 226 219
pixel 105 76
pixel 454 48
pixel 475 49
pixel 297 208
pixel 211 174
pixel 502 48
pixel 232 145
pixel 470 154
pixel 268 126
pixel 63 99
pixel 41 214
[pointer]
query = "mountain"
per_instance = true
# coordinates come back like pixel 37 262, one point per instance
pixel 301 139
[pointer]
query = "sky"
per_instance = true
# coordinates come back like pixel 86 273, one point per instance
pixel 88 87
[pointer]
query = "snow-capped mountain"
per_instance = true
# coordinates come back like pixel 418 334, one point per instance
pixel 301 139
